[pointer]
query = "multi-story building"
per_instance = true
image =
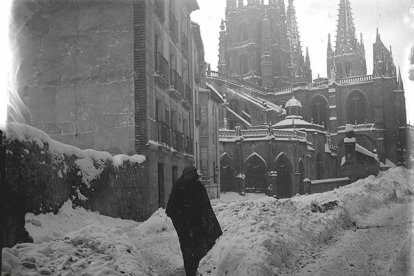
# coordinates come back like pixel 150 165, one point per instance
pixel 115 76
pixel 262 73
pixel 208 104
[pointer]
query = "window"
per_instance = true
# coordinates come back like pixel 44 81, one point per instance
pixel 356 108
pixel 159 10
pixel 173 119
pixel 320 111
pixel 243 33
pixel 157 110
pixel 244 64
pixel 167 115
pixel 204 160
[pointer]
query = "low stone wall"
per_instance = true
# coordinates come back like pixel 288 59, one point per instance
pixel 213 191
pixel 324 185
pixel 39 181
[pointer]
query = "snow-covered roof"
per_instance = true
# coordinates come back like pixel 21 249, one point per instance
pixel 349 128
pixel 244 121
pixel 217 95
pixel 293 102
pixel 349 140
pixel 292 119
pixel 257 101
pixel 388 164
pixel 366 152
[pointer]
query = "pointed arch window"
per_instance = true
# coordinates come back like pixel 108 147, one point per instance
pixel 356 108
pixel 320 111
pixel 244 64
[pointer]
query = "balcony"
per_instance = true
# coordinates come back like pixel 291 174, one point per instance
pixel 197 114
pixel 176 85
pixel 188 97
pixel 178 140
pixel 184 45
pixel 189 145
pixel 162 72
pixel 174 28
pixel 164 134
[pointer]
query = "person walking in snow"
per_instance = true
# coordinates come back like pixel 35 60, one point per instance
pixel 193 217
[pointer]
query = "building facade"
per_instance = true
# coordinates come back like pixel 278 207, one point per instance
pixel 279 128
pixel 119 76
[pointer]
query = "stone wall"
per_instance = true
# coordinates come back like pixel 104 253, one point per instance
pixel 39 181
pixel 76 73
pixel 321 186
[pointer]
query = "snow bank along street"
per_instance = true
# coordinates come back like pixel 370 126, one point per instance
pixel 262 235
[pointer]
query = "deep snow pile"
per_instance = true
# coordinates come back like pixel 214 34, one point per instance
pixel 75 241
pixel 263 235
pixel 46 227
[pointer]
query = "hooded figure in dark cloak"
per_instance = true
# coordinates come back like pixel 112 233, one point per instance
pixel 194 220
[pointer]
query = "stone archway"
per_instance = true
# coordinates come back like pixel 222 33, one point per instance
pixel 255 170
pixel 284 176
pixel 227 182
pixel 320 110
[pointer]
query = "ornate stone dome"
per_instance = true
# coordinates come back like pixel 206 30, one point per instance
pixel 293 103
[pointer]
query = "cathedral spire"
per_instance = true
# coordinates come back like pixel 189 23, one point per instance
pixel 266 61
pixel 345 34
pixel 296 55
pixel 400 81
pixel 329 44
pixel 222 49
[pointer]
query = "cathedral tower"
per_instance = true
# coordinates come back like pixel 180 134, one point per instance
pixel 299 69
pixel 254 45
pixel 348 58
pixel 383 60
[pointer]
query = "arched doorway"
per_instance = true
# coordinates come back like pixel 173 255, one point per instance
pixel 226 174
pixel 284 176
pixel 255 170
pixel 301 177
pixel 356 108
pixel 320 111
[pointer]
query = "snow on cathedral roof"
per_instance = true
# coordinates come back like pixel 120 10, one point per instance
pixel 293 103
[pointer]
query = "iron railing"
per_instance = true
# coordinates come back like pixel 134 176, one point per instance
pixel 162 67
pixel 164 133
pixel 177 83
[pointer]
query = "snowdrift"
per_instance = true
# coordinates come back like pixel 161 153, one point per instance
pixel 260 236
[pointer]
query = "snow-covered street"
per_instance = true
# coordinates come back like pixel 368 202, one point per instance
pixel 359 229
pixel 372 246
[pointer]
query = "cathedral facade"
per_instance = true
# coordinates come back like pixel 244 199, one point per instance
pixel 283 133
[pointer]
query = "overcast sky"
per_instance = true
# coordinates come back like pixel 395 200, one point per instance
pixel 317 18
